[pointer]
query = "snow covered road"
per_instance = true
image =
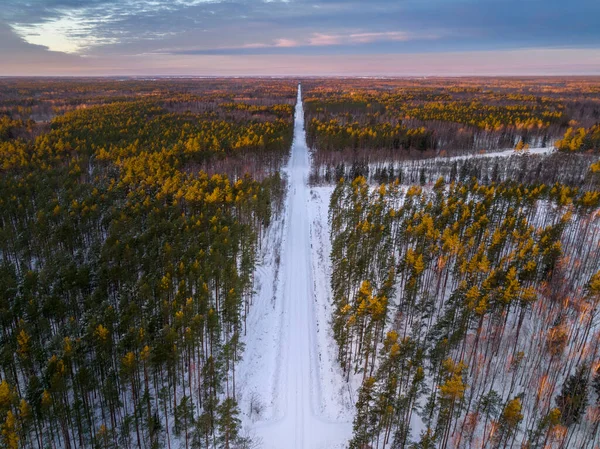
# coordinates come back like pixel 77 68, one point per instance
pixel 284 363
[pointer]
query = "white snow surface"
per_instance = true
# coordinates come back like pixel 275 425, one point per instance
pixel 290 388
pixel 503 153
pixel 462 157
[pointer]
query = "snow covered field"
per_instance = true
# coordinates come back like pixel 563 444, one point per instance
pixel 291 392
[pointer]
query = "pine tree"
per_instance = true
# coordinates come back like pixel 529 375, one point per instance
pixel 489 406
pixel 574 396
pixel 9 431
pixel 547 425
pixel 362 428
pixel 596 384
pixel 509 421
pixel 228 423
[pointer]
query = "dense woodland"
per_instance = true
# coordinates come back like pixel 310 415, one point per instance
pixel 470 312
pixel 130 214
pixel 386 119
pixel 465 290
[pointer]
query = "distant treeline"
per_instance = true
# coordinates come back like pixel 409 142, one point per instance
pixel 393 119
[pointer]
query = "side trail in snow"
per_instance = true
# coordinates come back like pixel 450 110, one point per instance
pixel 282 361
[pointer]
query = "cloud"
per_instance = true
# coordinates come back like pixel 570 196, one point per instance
pixel 320 39
pixel 71 33
pixel 286 43
pixel 121 32
pixel 141 26
pixel 15 50
pixel 74 26
pixel 349 41
pixel 278 43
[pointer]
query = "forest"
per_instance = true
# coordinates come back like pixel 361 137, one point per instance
pixel 370 120
pixel 462 222
pixel 465 290
pixel 130 215
pixel 472 306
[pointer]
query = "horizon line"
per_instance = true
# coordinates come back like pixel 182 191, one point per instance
pixel 250 76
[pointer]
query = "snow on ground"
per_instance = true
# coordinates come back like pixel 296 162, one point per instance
pixel 462 157
pixel 338 396
pixel 263 322
pixel 503 153
pixel 290 390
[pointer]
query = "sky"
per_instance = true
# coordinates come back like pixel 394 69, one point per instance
pixel 299 37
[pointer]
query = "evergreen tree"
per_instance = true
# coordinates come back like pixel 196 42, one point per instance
pixel 573 397
pixel 362 426
pixel 228 423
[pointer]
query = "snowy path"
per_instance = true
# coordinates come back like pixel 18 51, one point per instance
pixel 504 153
pixel 492 154
pixel 284 363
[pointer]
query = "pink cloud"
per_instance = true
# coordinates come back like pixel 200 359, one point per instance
pixel 281 43
pixel 286 43
pixel 321 39
pixel 324 39
pixel 374 37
